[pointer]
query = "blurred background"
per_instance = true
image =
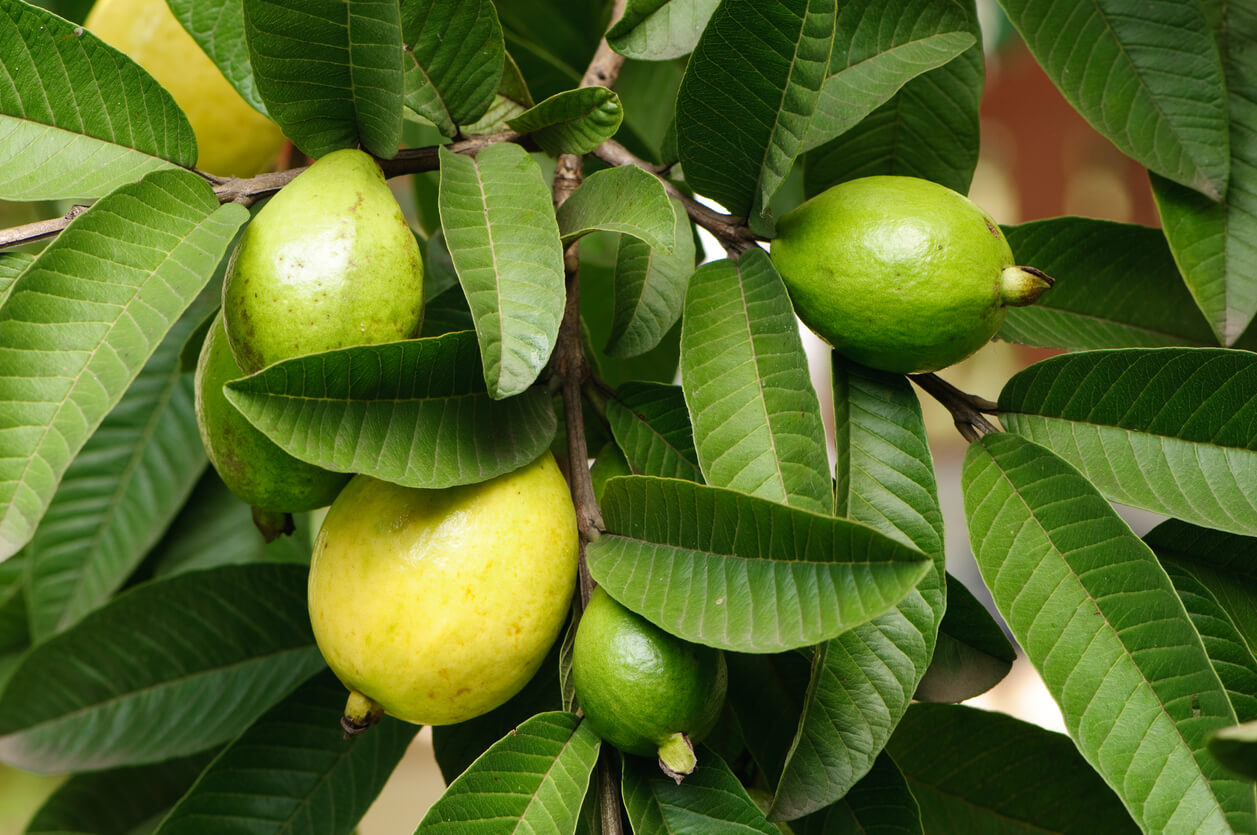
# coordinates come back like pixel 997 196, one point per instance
pixel 1038 159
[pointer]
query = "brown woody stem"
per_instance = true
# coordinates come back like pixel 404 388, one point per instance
pixel 968 411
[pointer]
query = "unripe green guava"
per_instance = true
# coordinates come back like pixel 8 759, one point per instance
pixel 329 262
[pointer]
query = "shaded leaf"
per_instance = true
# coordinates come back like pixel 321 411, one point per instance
pixel 413 412
pixel 329 71
pixel 1236 748
pixel 572 122
pixel 656 30
pixel 511 99
pixel 972 654
pixel 454 60
pixel 533 779
pixel 623 199
pixel 77 329
pixel 14 629
pixel 881 802
pixel 77 117
pixel 499 226
pixel 112 690
pixel 1099 619
pixel 650 288
pixel 218 28
pixel 766 694
pixel 1170 430
pixel 651 425
pixel 709 800
pixel 757 424
pixel 771 577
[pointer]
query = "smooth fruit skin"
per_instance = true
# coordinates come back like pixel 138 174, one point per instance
pixel 329 262
pixel 896 273
pixel 637 684
pixel 439 605
pixel 249 463
pixel 232 138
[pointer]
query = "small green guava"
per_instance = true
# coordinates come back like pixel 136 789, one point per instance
pixel 900 273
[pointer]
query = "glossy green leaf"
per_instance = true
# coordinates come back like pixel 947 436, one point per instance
pixel 651 425
pixel 748 96
pixel 624 199
pixel 1170 430
pixel 863 680
pixel 1116 287
pixel 1215 243
pixel 499 226
pixel 1150 79
pixel 218 28
pixel 650 288
pixel 1236 748
pixel 329 71
pixel 769 577
pixel 413 412
pixel 881 802
pixel 114 690
pixel 657 30
pixel 293 771
pixel 989 774
pixel 532 780
pixel 757 422
pixel 972 654
pixel 1098 617
pixel 930 128
pixel 709 800
pixel 76 329
pixel 572 122
pixel 119 494
pixel 116 802
pixel 77 117
pixel 454 60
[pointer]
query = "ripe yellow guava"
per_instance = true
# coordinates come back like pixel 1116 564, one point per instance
pixel 232 138
pixel 900 273
pixel 436 606
pixel 329 262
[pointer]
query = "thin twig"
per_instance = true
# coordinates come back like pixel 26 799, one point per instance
pixel 966 409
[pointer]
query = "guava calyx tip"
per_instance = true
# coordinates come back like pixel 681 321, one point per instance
pixel 1021 286
pixel 677 758
pixel 273 524
pixel 361 712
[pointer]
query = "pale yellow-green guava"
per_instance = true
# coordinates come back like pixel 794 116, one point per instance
pixel 900 273
pixel 436 606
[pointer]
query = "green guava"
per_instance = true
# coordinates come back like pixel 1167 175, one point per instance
pixel 249 463
pixel 900 273
pixel 329 262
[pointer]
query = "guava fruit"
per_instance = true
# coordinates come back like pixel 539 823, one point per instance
pixel 329 262
pixel 232 138
pixel 645 691
pixel 249 463
pixel 900 273
pixel 436 606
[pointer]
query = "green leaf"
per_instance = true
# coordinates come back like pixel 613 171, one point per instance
pixel 454 60
pixel 115 690
pixel 77 117
pixel 623 199
pixel 1098 617
pixel 116 802
pixel 12 265
pixel 930 128
pixel 748 96
pixel 651 425
pixel 293 770
pixel 572 122
pixel 329 71
pixel 609 463
pixel 657 30
pixel 650 288
pixel 972 654
pixel 770 577
pixel 1116 287
pixel 863 680
pixel 14 630
pixel 511 99
pixel 119 494
pixel 413 412
pixel 1166 429
pixel 710 800
pixel 766 695
pixel 218 28
pixel 499 226
pixel 532 780
pixel 1215 243
pixel 990 774
pixel 77 328
pixel 1236 748
pixel 1150 79
pixel 757 422
pixel 881 802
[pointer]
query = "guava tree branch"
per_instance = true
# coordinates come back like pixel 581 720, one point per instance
pixel 968 411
